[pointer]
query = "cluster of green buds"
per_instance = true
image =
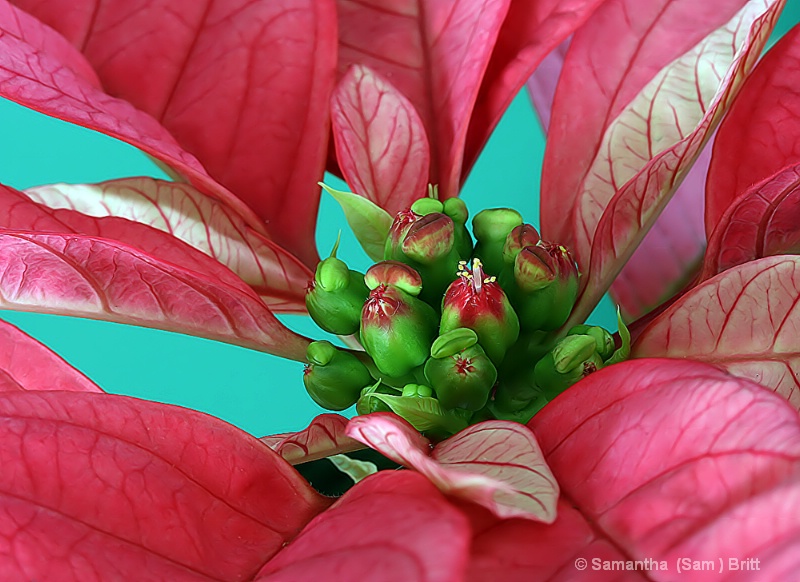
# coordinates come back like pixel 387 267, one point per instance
pixel 453 332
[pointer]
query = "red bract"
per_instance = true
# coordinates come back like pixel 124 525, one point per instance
pixel 381 144
pixel 672 249
pixel 259 124
pixel 761 222
pixel 651 460
pixel 196 219
pixel 601 198
pixel 458 62
pixel 629 447
pixel 758 137
pixel 752 209
pixel 86 266
pixel 324 437
pixel 670 252
pixel 132 483
pixel 55 88
pixel 25 364
pixel 516 483
pixel 743 319
pixel 657 460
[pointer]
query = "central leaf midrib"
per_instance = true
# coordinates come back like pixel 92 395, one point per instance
pixel 430 113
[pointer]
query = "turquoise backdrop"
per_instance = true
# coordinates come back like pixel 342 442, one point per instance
pixel 260 393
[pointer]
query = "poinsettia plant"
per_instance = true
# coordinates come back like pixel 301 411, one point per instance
pixel 681 460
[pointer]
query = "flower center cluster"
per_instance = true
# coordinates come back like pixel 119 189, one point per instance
pixel 478 347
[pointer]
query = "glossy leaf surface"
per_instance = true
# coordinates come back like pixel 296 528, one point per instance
pixel 243 85
pixel 88 276
pixel 674 245
pixel 761 222
pixel 652 142
pixel 435 52
pixel 19 212
pixel 496 464
pixel 658 460
pixel 542 84
pixel 98 486
pixel 530 31
pixel 26 364
pixel 196 219
pixel 745 320
pixel 368 221
pixel 390 527
pixel 622 48
pixel 381 144
pixel 325 436
pixel 671 251
pixel 45 82
pixel 758 137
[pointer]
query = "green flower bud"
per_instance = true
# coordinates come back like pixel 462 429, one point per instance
pixel 334 378
pixel 534 269
pixel 453 341
pixel 397 330
pixel 572 351
pixel 417 391
pixel 457 210
pixel 522 236
pixel 494 224
pixel 491 228
pixel 461 379
pixel 403 221
pixel 428 244
pixel 477 302
pixel 545 286
pixel 425 206
pixel 335 297
pixel 604 341
pixel 395 274
pixel 572 359
pixel 332 274
pixel 429 239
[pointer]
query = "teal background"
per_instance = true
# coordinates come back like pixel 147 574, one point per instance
pixel 260 393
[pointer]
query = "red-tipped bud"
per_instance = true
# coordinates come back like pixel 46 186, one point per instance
pixel 534 269
pixel 522 236
pixel 397 330
pixel 429 244
pixel 397 233
pixel 395 274
pixel 460 371
pixel 429 239
pixel 477 302
pixel 546 281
